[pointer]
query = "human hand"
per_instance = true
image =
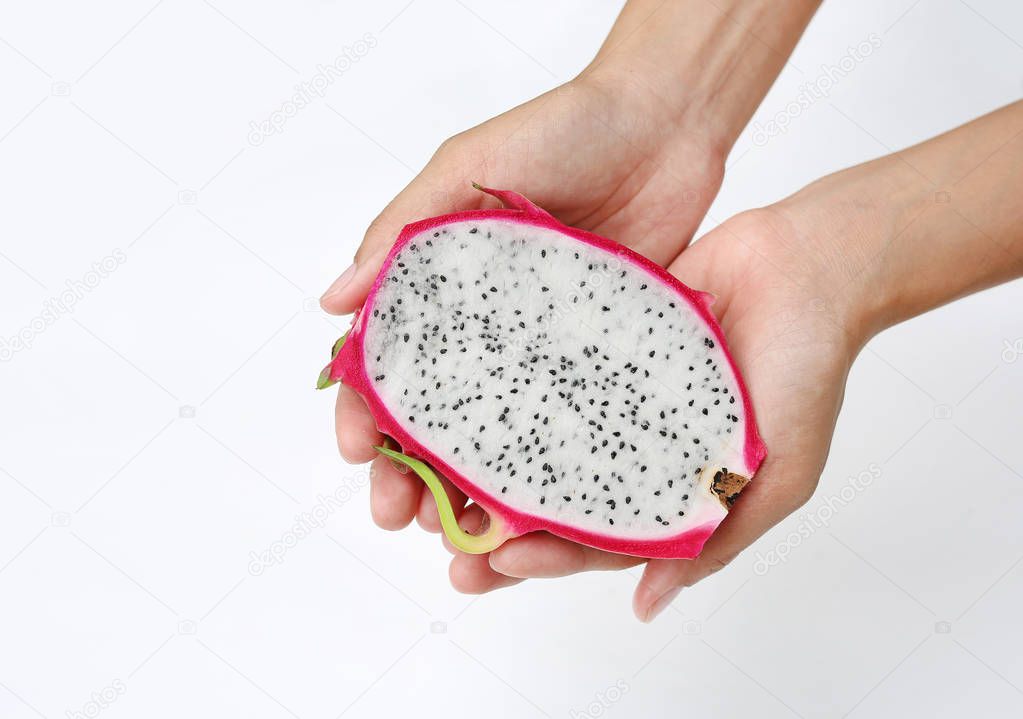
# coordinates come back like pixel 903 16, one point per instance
pixel 626 171
pixel 795 353
pixel 632 149
pixel 801 286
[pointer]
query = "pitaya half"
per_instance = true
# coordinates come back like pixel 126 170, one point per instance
pixel 561 381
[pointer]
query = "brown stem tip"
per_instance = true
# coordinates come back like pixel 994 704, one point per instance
pixel 727 485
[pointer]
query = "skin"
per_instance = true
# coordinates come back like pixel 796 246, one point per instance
pixel 642 133
pixel 802 284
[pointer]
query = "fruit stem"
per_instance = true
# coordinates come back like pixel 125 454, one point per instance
pixel 490 540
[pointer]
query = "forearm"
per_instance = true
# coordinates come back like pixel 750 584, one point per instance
pixel 924 226
pixel 968 234
pixel 708 62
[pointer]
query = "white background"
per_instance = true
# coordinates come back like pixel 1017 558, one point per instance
pixel 157 436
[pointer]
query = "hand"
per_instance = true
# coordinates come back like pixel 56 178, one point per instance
pixel 599 162
pixel 595 152
pixel 801 286
pixel 632 149
pixel 795 354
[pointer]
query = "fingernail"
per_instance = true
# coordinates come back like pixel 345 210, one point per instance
pixel 340 283
pixel 662 603
pixel 402 468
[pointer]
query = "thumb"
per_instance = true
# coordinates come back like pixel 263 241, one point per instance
pixel 767 500
pixel 439 188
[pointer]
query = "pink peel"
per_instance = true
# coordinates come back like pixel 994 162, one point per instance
pixel 348 365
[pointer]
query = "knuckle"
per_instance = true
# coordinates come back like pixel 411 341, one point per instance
pixel 376 230
pixel 449 147
pixel 380 234
pixel 800 494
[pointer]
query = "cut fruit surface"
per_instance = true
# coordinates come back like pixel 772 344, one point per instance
pixel 560 380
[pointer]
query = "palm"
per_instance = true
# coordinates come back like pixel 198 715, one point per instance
pixel 791 348
pixel 795 359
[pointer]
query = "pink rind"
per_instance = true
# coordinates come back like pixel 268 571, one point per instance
pixel 348 366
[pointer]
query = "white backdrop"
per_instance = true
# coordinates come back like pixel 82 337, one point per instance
pixel 161 433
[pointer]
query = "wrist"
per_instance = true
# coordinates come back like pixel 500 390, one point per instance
pixel 702 67
pixel 679 110
pixel 848 224
pixel 907 233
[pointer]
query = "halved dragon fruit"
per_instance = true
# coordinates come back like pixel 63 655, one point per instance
pixel 561 381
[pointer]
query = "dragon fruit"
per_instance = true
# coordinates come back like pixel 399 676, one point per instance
pixel 561 381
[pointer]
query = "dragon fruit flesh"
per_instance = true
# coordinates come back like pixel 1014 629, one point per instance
pixel 561 381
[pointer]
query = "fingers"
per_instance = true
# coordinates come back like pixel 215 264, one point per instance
pixel 396 495
pixel 764 503
pixel 393 495
pixel 438 189
pixel 542 555
pixel 357 432
pixel 471 574
pixel 531 556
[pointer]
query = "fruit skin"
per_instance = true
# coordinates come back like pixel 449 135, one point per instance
pixel 347 366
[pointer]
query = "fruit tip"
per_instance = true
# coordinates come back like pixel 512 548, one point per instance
pixel 324 380
pixel 336 347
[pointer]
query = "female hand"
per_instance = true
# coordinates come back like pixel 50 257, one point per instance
pixel 794 348
pixel 626 180
pixel 801 286
pixel 632 149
